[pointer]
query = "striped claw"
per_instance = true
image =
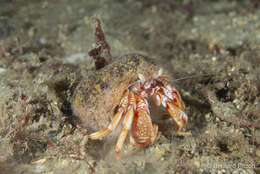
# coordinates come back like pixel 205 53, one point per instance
pixel 178 115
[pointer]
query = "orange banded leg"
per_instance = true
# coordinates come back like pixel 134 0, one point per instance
pixel 104 132
pixel 115 121
pixel 179 101
pixel 126 127
pixel 177 114
pixel 175 107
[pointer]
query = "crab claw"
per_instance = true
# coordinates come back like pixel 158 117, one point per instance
pixel 177 114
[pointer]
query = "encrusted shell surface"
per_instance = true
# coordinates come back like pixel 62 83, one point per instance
pixel 97 96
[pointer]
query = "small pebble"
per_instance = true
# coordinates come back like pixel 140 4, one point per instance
pixel 2 70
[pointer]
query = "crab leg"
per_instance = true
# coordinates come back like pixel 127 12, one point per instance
pixel 171 99
pixel 115 121
pixel 126 127
pixel 175 106
pixel 177 114
pixel 107 130
pixel 176 95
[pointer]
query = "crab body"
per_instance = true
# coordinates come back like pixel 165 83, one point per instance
pixel 119 93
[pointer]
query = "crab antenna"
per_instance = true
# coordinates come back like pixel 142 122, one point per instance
pixel 141 77
pixel 159 73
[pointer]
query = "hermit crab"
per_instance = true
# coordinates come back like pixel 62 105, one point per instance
pixel 118 95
